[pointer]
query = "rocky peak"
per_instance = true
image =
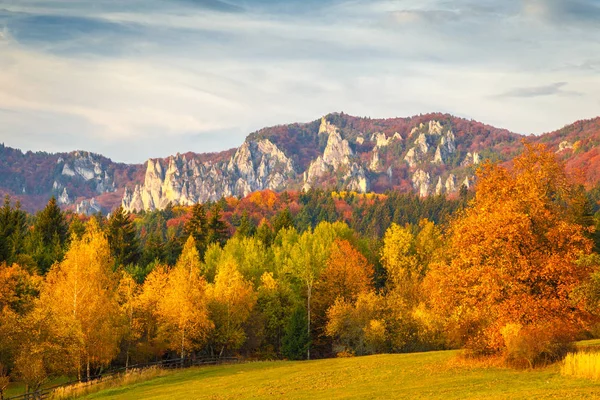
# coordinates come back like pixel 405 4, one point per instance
pixel 327 127
pixel 337 152
pixel 256 165
pixel 421 182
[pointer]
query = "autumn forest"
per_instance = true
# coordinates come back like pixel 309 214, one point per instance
pixel 509 269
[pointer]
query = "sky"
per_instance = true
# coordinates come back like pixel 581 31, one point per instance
pixel 138 79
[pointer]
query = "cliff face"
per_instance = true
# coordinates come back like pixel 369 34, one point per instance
pixel 186 180
pixel 429 154
pixel 350 160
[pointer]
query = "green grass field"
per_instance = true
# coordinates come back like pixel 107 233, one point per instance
pixel 435 375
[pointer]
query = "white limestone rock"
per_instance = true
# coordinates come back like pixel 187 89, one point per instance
pixel 439 187
pixel 565 145
pixel 356 179
pixel 375 162
pixel 450 184
pixel 256 165
pixel 64 199
pixel 435 128
pixel 421 182
pixel 337 151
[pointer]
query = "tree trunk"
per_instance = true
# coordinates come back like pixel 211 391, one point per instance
pixel 88 368
pixel 308 320
pixel 182 346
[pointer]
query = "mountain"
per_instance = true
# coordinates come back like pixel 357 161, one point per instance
pixel 429 154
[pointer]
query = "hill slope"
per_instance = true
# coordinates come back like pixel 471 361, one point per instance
pixel 435 375
pixel 429 154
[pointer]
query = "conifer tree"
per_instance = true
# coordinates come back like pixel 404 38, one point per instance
pixel 217 229
pixel 197 226
pixel 122 238
pixel 282 220
pixel 296 341
pixel 49 236
pixel 246 226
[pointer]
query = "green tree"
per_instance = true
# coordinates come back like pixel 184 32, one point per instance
pixel 12 231
pixel 282 220
pixel 122 238
pixel 50 235
pixel 197 226
pixel 217 228
pixel 246 226
pixel 296 341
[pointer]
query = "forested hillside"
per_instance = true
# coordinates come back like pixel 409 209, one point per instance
pixel 509 268
pixel 429 154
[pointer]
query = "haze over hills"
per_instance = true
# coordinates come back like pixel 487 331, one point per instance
pixel 429 154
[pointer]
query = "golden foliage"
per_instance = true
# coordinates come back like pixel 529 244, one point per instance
pixel 513 253
pixel 182 307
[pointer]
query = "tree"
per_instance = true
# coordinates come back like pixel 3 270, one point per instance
pixel 12 231
pixel 357 325
pixel 217 228
pixel 49 236
pixel 296 341
pixel 152 343
pixel 197 226
pixel 128 293
pixel 275 302
pixel 232 300
pixel 307 258
pixel 264 233
pixel 122 238
pixel 282 220
pixel 79 297
pixel 182 310
pixel 514 254
pixel 246 226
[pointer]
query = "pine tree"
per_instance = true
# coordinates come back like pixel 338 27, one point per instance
pixel 197 227
pixel 12 231
pixel 296 340
pixel 246 226
pixel 122 238
pixel 217 229
pixel 50 236
pixel 282 220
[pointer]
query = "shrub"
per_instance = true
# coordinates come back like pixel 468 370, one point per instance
pixel 533 346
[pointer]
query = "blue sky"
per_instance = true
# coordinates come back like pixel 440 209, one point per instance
pixel 137 79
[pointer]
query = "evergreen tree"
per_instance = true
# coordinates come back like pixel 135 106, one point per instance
pixel 50 235
pixel 122 238
pixel 246 227
pixel 217 229
pixel 264 233
pixel 296 340
pixel 197 227
pixel 12 231
pixel 282 220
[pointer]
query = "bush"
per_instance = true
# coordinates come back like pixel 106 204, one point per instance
pixel 533 346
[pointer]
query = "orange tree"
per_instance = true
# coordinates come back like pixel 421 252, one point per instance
pixel 512 262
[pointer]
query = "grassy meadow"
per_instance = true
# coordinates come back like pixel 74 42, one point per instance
pixel 434 375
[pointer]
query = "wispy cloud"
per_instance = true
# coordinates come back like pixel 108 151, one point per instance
pixel 540 91
pixel 134 79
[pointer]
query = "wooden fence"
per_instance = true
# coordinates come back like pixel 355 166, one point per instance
pixel 176 363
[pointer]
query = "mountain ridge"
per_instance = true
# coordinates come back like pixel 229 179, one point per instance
pixel 431 153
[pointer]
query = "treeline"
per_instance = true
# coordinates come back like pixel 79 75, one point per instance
pixel 511 270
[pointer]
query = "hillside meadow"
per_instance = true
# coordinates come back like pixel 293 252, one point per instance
pixel 433 375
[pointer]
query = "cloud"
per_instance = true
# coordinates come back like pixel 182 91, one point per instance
pixel 147 78
pixel 539 91
pixel 563 11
